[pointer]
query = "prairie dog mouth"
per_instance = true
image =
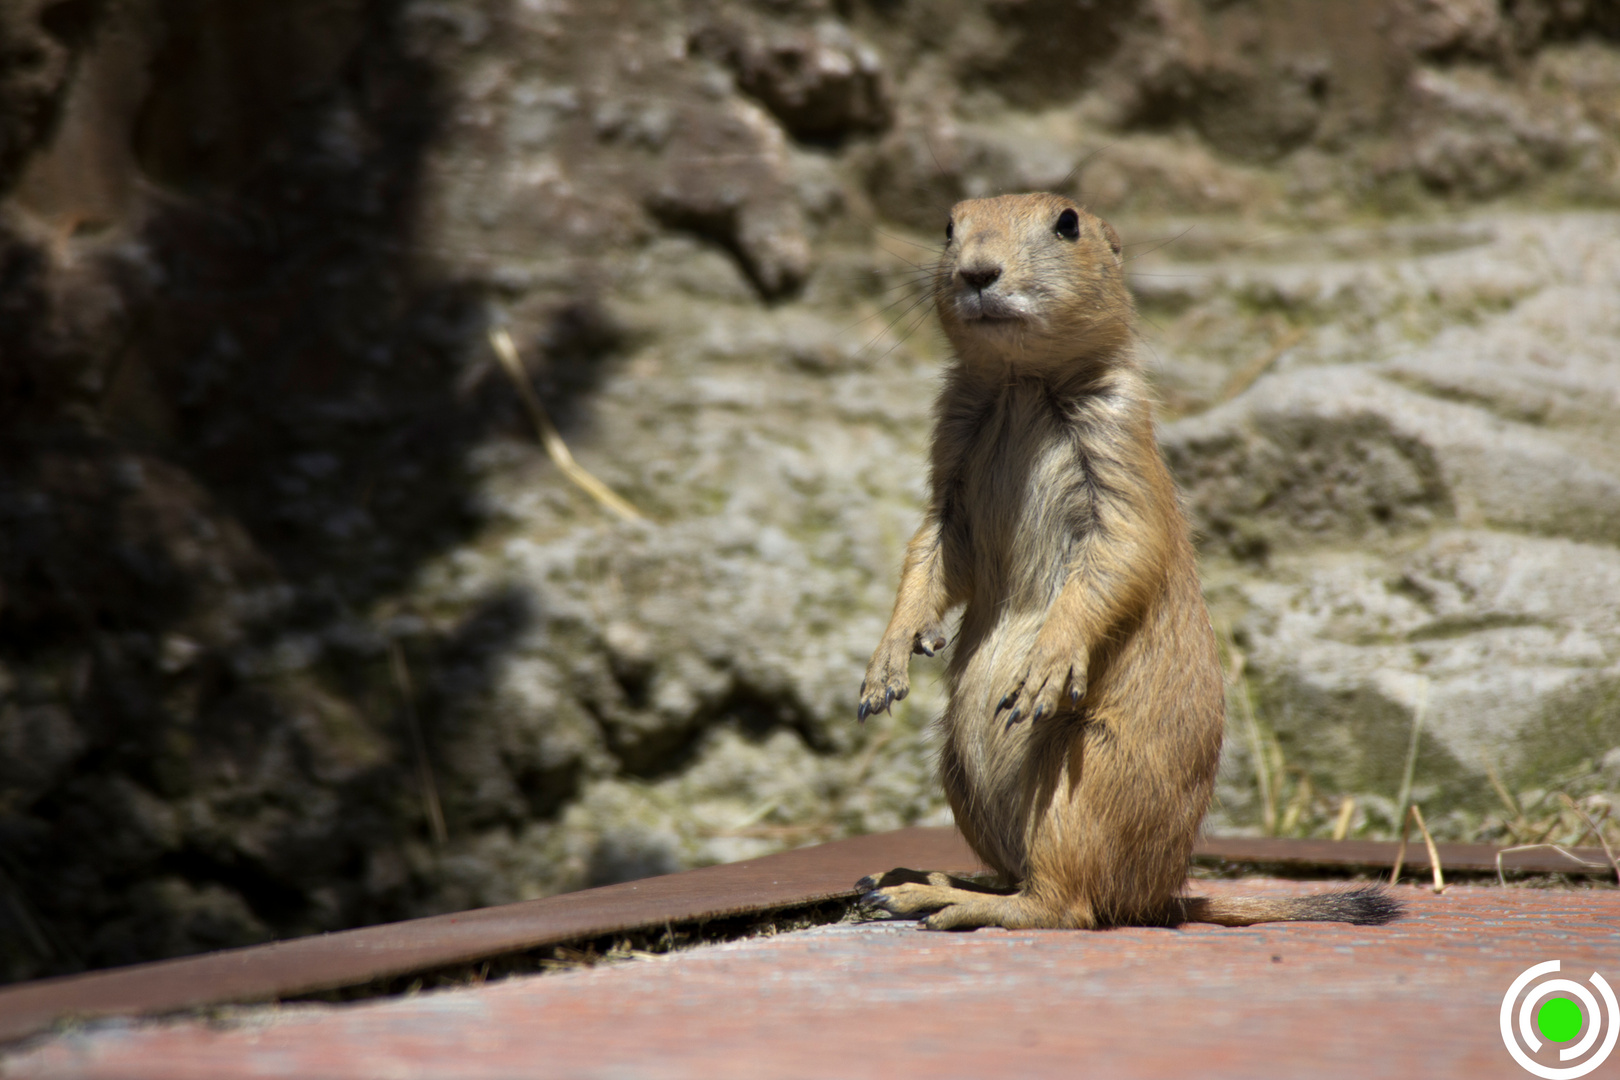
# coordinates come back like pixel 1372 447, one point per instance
pixel 973 305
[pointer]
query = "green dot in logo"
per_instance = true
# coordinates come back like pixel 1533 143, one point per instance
pixel 1559 1019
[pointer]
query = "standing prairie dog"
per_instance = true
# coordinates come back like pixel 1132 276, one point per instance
pixel 1086 700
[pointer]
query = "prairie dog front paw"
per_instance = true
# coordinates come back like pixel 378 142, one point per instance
pixel 888 676
pixel 1054 673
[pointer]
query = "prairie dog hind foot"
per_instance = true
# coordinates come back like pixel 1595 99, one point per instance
pixel 944 902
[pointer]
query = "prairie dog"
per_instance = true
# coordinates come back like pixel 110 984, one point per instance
pixel 1086 701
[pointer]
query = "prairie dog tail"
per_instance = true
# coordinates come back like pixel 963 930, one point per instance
pixel 1366 906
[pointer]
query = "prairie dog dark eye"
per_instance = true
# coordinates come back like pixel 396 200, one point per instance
pixel 950 231
pixel 1068 225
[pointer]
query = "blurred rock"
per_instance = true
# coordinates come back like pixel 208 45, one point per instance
pixel 1330 496
pixel 1166 175
pixel 1472 134
pixel 1314 455
pixel 915 173
pixel 1443 28
pixel 39 40
pixel 1036 52
pixel 820 81
pixel 1510 645
pixel 38 744
pixel 725 176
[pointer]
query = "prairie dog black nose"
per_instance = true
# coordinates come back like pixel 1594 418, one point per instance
pixel 981 275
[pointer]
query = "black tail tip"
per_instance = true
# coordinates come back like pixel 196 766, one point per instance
pixel 1370 905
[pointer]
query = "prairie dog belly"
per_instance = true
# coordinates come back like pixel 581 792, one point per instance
pixel 1025 502
pixel 986 758
pixel 1021 502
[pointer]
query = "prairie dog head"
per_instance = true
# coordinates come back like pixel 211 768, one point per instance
pixel 1032 281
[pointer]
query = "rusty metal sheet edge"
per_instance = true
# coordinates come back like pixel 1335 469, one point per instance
pixel 355 957
pixel 788 879
pixel 1376 854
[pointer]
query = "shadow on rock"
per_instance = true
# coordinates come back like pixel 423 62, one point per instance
pixel 235 409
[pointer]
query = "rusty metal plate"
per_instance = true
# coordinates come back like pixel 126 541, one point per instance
pixel 1380 854
pixel 1418 998
pixel 354 957
pixel 808 875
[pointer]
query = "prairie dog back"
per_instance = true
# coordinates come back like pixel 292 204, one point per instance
pixel 1083 729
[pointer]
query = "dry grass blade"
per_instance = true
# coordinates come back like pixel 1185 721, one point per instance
pixel 1552 825
pixel 1251 724
pixel 22 914
pixel 555 448
pixel 1246 376
pixel 1262 770
pixel 1347 810
pixel 564 958
pixel 1594 828
pixel 1400 852
pixel 424 767
pixel 864 769
pixel 1401 802
pixel 1418 712
pixel 1518 823
pixel 1570 855
pixel 1301 801
pixel 1434 852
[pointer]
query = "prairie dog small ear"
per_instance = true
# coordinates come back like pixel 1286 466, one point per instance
pixel 1113 239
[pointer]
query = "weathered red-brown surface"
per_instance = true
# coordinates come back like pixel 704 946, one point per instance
pixel 354 957
pixel 809 875
pixel 1418 998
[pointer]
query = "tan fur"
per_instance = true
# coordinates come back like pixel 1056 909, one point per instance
pixel 1086 702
